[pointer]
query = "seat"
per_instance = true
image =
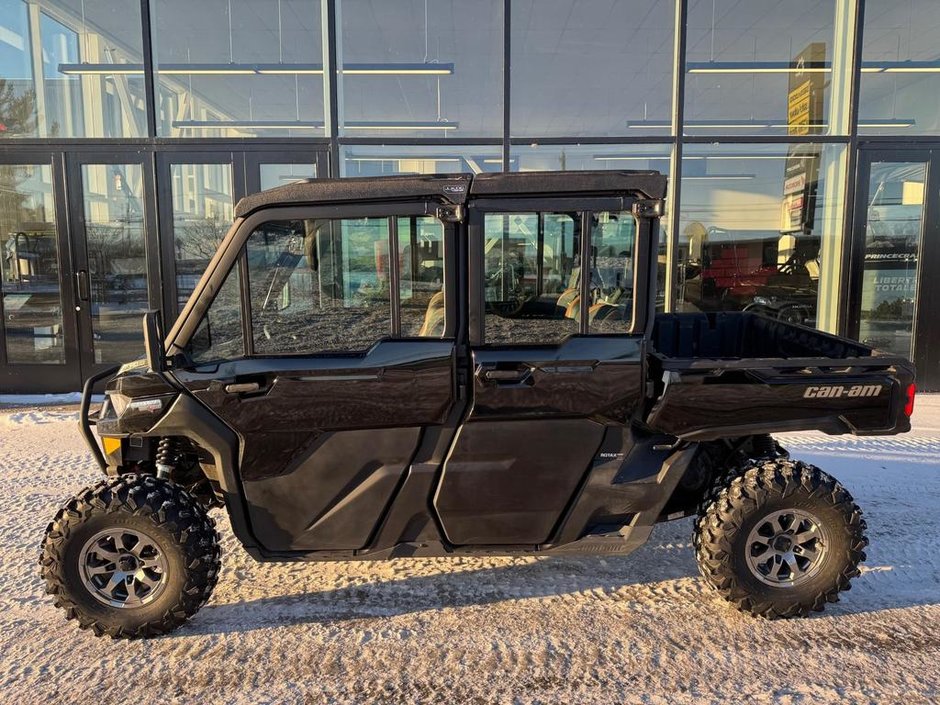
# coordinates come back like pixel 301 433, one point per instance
pixel 433 326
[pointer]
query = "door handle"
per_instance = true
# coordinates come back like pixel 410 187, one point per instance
pixel 81 281
pixel 493 375
pixel 242 388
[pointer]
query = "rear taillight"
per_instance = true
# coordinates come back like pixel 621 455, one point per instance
pixel 911 391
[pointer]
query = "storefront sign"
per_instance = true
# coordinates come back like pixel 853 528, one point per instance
pixel 804 116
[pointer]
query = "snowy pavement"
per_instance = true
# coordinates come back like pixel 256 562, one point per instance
pixel 641 628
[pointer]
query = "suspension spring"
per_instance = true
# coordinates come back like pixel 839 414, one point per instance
pixel 166 457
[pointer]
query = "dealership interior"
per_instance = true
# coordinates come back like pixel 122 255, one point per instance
pixel 801 138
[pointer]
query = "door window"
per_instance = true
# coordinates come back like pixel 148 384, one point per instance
pixel 532 275
pixel 219 335
pixel 117 264
pixel 421 278
pixel 612 239
pixel 319 285
pixel 202 213
pixel 893 230
pixel 29 266
pixel 531 270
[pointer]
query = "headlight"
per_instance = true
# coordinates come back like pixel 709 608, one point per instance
pixel 119 402
pixel 762 301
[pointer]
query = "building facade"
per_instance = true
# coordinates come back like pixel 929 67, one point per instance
pixel 802 142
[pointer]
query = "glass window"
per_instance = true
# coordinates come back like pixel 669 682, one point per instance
pixel 894 224
pixel 532 270
pixel 588 68
pixel 761 230
pixel 373 160
pixel 900 68
pixel 613 235
pixel 29 266
pixel 319 285
pixel 202 214
pixel 117 259
pixel 766 67
pixel 238 68
pixel 655 157
pixel 421 276
pixel 71 68
pixel 279 174
pixel 410 67
pixel 219 335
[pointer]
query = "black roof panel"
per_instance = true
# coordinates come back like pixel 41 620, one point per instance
pixel 454 188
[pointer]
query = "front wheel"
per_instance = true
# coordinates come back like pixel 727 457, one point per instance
pixel 782 539
pixel 133 556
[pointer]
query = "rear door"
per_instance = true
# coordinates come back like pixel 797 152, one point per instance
pixel 556 352
pixel 330 350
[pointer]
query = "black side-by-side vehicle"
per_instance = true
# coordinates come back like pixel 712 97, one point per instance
pixel 458 365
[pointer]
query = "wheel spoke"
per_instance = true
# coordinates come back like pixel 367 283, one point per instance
pixel 808 534
pixel 106 554
pixel 112 584
pixel 101 569
pixel 142 577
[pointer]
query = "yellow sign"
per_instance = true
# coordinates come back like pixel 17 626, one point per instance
pixel 798 109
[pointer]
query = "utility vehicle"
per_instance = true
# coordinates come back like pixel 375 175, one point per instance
pixel 459 365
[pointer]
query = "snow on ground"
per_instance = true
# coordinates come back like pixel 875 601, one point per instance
pixel 641 628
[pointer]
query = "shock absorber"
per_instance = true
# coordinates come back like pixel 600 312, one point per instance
pixel 166 457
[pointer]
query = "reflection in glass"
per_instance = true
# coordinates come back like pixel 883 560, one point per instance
pixel 612 239
pixel 238 68
pixel 893 232
pixel 219 334
pixel 71 68
pixel 374 160
pixel 29 268
pixel 590 68
pixel 900 81
pixel 202 214
pixel 532 270
pixel 656 157
pixel 319 285
pixel 421 276
pixel 410 68
pixel 757 227
pixel 117 261
pixel 763 67
pixel 279 174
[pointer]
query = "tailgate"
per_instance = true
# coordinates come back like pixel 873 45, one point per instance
pixel 704 400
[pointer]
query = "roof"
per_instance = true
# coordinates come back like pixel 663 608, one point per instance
pixel 455 188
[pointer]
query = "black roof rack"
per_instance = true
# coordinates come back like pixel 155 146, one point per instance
pixel 454 188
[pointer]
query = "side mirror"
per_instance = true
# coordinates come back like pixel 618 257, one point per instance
pixel 153 341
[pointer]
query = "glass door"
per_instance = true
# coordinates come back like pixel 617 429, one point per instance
pixel 897 242
pixel 116 276
pixel 38 338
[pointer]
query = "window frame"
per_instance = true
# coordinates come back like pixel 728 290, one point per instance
pixel 232 253
pixel 587 206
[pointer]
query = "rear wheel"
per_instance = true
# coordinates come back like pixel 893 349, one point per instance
pixel 781 540
pixel 133 556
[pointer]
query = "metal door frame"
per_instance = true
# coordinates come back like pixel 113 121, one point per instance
pixel 926 337
pixel 74 160
pixel 37 378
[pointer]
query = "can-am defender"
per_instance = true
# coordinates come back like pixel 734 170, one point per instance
pixel 460 365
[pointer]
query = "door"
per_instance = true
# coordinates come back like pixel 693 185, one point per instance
pixel 39 349
pixel 555 362
pixel 115 252
pixel 896 242
pixel 331 359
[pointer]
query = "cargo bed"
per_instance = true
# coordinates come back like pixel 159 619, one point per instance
pixel 728 373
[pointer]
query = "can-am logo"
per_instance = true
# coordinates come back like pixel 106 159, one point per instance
pixel 455 188
pixel 839 392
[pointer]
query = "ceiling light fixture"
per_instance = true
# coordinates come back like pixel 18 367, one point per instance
pixel 209 69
